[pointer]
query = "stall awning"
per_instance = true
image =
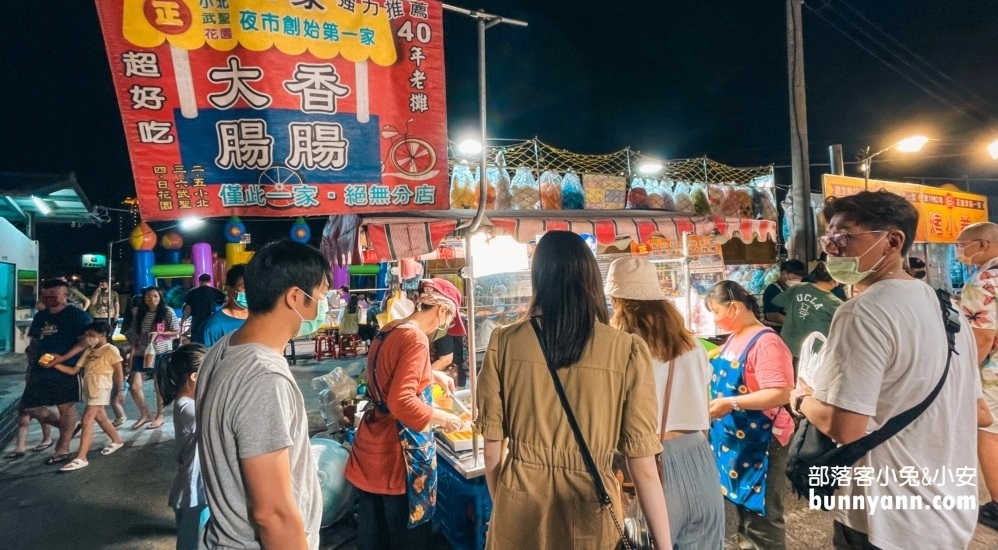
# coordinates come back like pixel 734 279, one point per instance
pixel 43 198
pixel 394 238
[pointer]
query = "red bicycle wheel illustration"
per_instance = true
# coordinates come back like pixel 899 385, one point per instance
pixel 413 157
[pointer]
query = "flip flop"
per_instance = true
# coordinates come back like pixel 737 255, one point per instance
pixel 118 422
pixel 111 448
pixel 42 447
pixel 76 464
pixel 138 425
pixel 155 426
pixel 13 456
pixel 55 459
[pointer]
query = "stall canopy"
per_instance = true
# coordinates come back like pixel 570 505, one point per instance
pixel 394 238
pixel 43 198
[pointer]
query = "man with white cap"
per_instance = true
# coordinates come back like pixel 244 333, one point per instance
pixel 392 462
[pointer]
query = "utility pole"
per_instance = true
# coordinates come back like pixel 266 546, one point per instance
pixel 800 189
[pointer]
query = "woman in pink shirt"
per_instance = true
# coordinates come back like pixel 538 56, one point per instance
pixel 750 429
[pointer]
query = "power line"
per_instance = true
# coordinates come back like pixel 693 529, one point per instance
pixel 890 65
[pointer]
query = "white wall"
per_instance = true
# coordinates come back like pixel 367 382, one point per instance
pixel 18 249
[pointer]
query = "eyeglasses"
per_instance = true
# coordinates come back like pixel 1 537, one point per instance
pixel 964 244
pixel 840 240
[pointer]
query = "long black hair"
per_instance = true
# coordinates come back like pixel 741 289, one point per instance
pixel 140 317
pixel 354 301
pixel 727 292
pixel 568 296
pixel 173 377
pixel 129 316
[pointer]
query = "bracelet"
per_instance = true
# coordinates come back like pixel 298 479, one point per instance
pixel 734 405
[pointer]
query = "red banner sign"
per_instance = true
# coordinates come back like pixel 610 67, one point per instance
pixel 280 107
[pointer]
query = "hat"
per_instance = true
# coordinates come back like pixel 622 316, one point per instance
pixel 633 279
pixel 443 292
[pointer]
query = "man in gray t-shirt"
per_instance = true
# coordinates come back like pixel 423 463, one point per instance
pixel 256 461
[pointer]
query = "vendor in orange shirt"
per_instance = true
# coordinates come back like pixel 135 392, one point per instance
pixel 393 460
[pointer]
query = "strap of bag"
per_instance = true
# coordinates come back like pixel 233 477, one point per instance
pixel 668 399
pixel 587 457
pixel 951 321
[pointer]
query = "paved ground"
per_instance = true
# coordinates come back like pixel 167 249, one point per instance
pixel 119 501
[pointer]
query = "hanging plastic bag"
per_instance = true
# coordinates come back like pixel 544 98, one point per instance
pixel 810 360
pixel 572 196
pixel 550 184
pixel 637 195
pixel 336 389
pixel 504 192
pixel 526 194
pixel 701 205
pixel 683 195
pixel 149 359
pixel 463 187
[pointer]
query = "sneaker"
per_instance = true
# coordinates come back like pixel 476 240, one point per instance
pixel 987 515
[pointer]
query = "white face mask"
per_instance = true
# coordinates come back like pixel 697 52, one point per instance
pixel 845 269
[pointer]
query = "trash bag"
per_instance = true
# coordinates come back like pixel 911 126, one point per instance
pixel 338 496
pixel 335 389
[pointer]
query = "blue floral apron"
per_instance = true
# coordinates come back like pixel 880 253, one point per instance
pixel 418 450
pixel 740 440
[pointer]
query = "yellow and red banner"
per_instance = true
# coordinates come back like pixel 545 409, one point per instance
pixel 942 213
pixel 280 107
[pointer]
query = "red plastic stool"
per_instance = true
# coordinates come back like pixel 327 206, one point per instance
pixel 325 346
pixel 349 344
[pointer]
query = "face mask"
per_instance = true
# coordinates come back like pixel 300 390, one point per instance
pixel 241 300
pixel 727 322
pixel 311 326
pixel 966 260
pixel 845 269
pixel 440 332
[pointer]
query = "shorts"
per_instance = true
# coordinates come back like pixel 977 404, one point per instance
pixel 47 388
pixel 991 400
pixel 101 398
pixel 139 361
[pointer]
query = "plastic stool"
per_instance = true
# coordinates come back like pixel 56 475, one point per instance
pixel 349 344
pixel 325 347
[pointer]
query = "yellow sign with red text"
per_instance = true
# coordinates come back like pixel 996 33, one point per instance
pixel 942 213
pixel 664 248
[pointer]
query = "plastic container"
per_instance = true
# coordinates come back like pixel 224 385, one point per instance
pixel 463 508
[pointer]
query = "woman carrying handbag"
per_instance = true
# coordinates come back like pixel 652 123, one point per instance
pixel 557 396
pixel 682 377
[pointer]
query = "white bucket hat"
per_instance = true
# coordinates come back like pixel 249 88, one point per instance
pixel 633 278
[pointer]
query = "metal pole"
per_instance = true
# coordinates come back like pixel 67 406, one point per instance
pixel 686 281
pixel 469 297
pixel 803 228
pixel 835 154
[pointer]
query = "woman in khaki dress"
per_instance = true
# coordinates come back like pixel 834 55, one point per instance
pixel 543 496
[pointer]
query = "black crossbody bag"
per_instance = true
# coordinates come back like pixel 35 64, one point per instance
pixel 810 448
pixel 604 497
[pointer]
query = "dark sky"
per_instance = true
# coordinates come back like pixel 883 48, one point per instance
pixel 670 79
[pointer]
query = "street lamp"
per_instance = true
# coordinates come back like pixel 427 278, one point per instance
pixel 469 147
pixel 649 168
pixel 993 149
pixel 911 144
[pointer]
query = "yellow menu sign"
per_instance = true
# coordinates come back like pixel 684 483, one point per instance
pixel 942 213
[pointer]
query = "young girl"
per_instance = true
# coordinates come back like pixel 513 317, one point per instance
pixel 154 322
pixel 102 363
pixel 177 382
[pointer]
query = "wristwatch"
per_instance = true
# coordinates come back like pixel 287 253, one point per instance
pixel 795 408
pixel 734 405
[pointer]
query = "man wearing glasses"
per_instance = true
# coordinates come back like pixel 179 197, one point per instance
pixel 886 352
pixel 977 246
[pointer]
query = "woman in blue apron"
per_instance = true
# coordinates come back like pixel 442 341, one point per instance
pixel 750 428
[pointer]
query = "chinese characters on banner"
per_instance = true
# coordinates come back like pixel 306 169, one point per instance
pixel 280 107
pixel 942 213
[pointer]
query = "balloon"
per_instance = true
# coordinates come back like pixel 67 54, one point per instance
pixel 172 241
pixel 234 230
pixel 337 494
pixel 143 237
pixel 300 231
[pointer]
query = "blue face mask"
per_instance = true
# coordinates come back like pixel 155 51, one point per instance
pixel 241 300
pixel 308 327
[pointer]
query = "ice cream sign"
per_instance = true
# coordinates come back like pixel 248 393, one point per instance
pixel 280 107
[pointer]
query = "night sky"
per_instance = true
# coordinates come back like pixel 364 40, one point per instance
pixel 669 79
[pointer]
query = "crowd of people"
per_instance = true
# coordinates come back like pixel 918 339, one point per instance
pixel 560 395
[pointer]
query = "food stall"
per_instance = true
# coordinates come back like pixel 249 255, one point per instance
pixel 943 212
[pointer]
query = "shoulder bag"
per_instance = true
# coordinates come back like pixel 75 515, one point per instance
pixel 814 452
pixel 604 498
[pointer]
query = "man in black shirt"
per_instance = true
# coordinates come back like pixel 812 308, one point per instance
pixel 201 303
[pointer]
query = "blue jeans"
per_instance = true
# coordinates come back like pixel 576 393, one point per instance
pixel 190 526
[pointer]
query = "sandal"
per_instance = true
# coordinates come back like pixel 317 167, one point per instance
pixel 42 447
pixel 55 459
pixel 77 429
pixel 76 464
pixel 111 448
pixel 138 425
pixel 155 426
pixel 119 421
pixel 14 455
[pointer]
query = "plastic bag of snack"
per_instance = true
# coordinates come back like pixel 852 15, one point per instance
pixel 550 184
pixel 572 195
pixel 525 192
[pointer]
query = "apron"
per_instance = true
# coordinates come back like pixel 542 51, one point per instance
pixel 740 440
pixel 418 450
